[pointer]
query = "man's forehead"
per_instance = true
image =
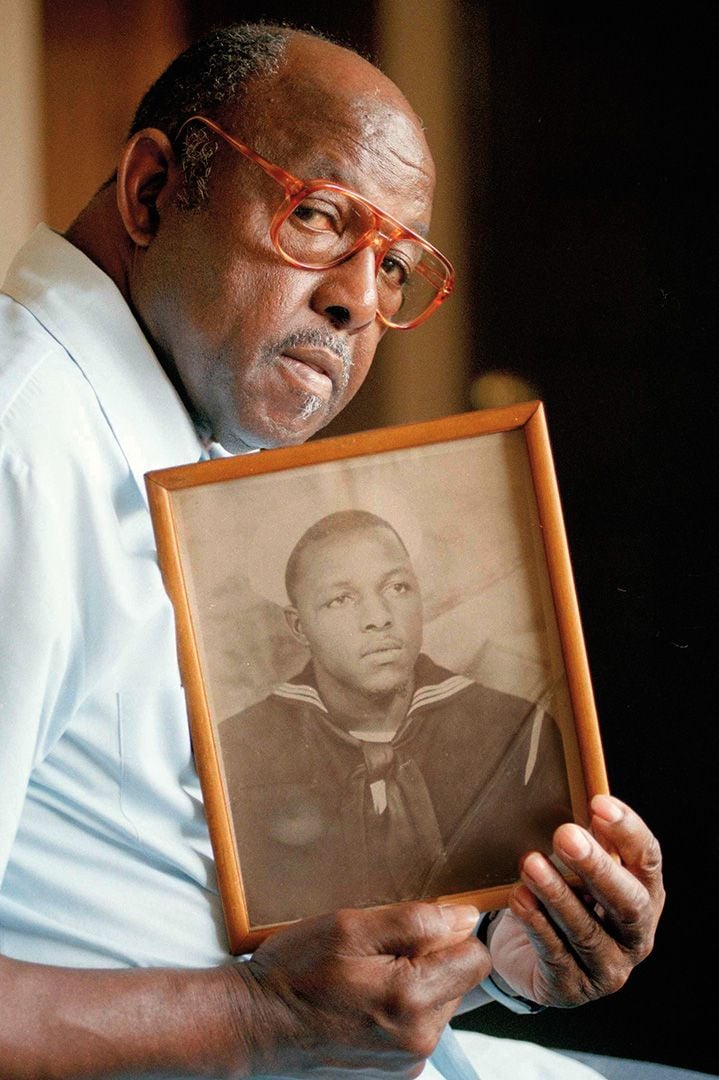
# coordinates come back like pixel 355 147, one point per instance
pixel 358 130
pixel 320 73
pixel 332 557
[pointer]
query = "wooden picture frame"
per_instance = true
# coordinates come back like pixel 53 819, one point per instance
pixel 502 712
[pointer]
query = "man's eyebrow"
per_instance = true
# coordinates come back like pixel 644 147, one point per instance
pixel 404 568
pixel 324 168
pixel 339 583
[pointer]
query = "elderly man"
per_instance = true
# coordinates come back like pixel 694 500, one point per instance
pixel 375 775
pixel 213 293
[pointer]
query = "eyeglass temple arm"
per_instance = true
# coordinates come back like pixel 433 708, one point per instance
pixel 290 183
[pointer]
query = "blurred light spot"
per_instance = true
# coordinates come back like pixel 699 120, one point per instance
pixel 492 389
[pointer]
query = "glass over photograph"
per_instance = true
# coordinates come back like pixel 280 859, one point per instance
pixel 383 674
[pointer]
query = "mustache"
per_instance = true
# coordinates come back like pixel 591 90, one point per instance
pixel 316 339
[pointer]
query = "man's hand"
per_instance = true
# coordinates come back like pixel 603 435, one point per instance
pixel 359 989
pixel 365 989
pixel 558 948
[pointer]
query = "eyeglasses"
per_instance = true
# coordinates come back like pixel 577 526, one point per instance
pixel 321 224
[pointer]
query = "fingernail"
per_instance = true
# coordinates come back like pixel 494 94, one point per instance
pixel 459 916
pixel 537 867
pixel 607 808
pixel 574 842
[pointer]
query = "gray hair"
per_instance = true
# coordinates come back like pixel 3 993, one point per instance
pixel 207 78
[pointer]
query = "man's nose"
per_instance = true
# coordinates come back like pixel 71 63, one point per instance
pixel 347 294
pixel 375 613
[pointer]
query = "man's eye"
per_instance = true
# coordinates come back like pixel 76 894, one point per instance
pixel 395 270
pixel 341 600
pixel 319 218
pixel 398 587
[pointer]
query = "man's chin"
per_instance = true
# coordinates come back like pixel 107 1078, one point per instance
pixel 272 432
pixel 386 687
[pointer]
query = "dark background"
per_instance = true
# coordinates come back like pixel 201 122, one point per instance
pixel 596 282
pixel 600 287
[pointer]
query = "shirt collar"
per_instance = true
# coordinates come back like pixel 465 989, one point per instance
pixel 82 308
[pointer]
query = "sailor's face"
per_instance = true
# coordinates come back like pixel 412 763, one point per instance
pixel 359 610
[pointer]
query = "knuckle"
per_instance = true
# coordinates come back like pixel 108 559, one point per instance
pixel 419 1039
pixel 480 961
pixel 652 859
pixel 419 919
pixel 642 947
pixel 409 1003
pixel 636 906
pixel 638 921
pixel 407 999
pixel 593 937
pixel 556 891
pixel 424 1043
pixel 614 978
pixel 591 988
pixel 345 924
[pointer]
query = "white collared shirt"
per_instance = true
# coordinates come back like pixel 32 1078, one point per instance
pixel 105 858
pixel 95 755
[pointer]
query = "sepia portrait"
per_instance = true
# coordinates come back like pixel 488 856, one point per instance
pixel 384 668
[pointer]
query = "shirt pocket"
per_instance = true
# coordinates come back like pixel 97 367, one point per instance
pixel 159 787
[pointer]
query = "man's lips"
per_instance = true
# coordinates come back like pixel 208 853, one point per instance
pixel 388 645
pixel 318 371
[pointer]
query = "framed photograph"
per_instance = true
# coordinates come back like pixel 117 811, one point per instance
pixel 382 655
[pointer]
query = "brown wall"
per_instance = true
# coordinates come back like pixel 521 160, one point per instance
pixel 99 58
pixel 21 151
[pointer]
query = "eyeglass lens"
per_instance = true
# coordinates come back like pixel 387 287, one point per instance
pixel 326 225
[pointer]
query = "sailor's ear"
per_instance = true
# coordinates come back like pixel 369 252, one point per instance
pixel 292 618
pixel 148 177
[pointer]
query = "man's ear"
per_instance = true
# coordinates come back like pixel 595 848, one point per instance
pixel 292 618
pixel 147 178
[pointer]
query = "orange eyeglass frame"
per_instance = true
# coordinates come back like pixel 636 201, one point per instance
pixel 384 231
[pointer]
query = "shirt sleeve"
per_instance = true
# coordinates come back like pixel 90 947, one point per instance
pixel 39 630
